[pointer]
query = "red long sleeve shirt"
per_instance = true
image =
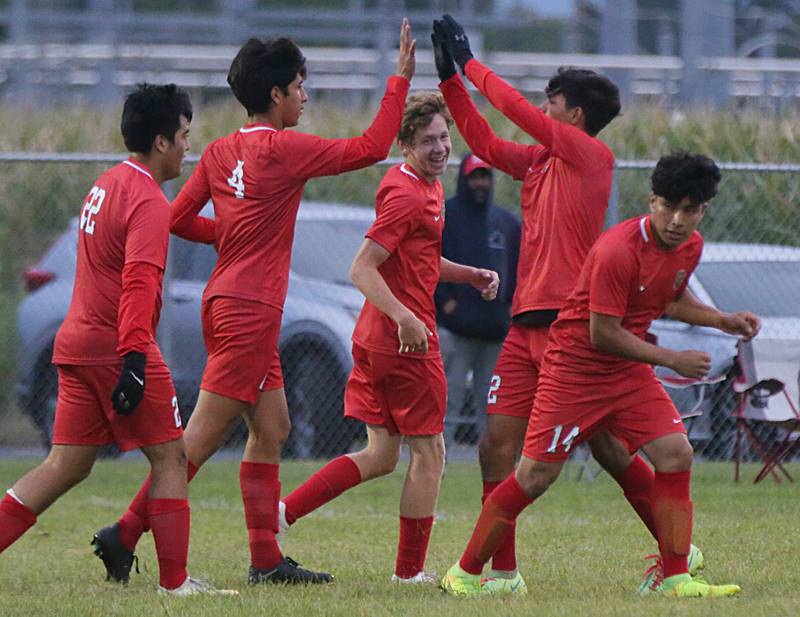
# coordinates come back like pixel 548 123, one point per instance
pixel 123 238
pixel 566 184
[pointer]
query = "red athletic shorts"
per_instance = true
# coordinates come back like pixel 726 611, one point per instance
pixel 404 394
pixel 635 409
pixel 241 339
pixel 85 417
pixel 516 372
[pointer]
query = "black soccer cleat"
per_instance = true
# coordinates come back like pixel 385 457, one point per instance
pixel 288 572
pixel 116 557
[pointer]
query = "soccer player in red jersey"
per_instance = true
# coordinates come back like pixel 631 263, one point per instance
pixel 106 351
pixel 566 183
pixel 398 386
pixel 597 373
pixel 255 177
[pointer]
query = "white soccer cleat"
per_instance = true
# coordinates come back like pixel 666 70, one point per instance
pixel 420 578
pixel 283 526
pixel 195 586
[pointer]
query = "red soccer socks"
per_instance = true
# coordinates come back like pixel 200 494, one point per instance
pixel 498 517
pixel 505 558
pixel 15 519
pixel 637 484
pixel 672 513
pixel 415 533
pixel 328 483
pixel 260 493
pixel 134 522
pixel 169 519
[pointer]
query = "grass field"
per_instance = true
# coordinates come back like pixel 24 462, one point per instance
pixel 580 549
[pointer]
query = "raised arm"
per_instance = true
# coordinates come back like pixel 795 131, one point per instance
pixel 327 157
pixel 507 156
pixel 567 142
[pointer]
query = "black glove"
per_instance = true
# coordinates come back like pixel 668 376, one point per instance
pixel 444 61
pixel 456 40
pixel 130 388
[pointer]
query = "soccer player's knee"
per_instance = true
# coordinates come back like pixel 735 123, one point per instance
pixel 610 454
pixel 496 448
pixel 69 472
pixel 536 481
pixel 386 463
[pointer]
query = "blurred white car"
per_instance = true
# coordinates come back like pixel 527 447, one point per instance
pixel 761 278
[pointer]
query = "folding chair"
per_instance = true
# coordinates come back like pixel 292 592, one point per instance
pixel 767 392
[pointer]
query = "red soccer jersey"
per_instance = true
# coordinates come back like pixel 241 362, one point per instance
pixel 124 220
pixel 255 178
pixel 625 275
pixel 566 183
pixel 409 224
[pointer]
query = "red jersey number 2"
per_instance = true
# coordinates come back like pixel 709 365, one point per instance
pixel 90 209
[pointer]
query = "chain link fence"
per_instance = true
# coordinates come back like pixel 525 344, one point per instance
pixel 752 262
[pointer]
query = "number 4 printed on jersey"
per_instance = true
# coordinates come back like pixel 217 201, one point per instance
pixel 91 208
pixel 236 181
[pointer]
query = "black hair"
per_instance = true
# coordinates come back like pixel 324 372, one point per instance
pixel 152 110
pixel 260 65
pixel 594 93
pixel 684 174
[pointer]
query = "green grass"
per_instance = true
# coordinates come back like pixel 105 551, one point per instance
pixel 580 549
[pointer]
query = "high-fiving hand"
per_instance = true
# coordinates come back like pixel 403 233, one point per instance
pixel 445 66
pixel 455 39
pixel 406 62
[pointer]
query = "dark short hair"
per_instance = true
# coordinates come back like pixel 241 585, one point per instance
pixel 594 93
pixel 260 65
pixel 684 174
pixel 420 109
pixel 152 110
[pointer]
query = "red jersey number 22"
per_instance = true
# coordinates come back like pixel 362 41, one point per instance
pixel 90 209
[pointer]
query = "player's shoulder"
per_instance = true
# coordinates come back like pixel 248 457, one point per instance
pixel 623 239
pixel 402 185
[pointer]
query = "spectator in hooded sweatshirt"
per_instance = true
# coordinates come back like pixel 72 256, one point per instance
pixel 480 234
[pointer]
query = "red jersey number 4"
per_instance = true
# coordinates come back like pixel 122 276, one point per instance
pixel 236 181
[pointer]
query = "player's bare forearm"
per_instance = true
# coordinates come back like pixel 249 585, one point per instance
pixel 369 282
pixel 689 309
pixel 451 272
pixel 608 335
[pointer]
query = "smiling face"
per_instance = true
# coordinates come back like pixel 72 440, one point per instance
pixel 174 151
pixel 674 223
pixel 291 102
pixel 430 149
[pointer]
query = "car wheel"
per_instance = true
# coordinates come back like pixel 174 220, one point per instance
pixel 314 382
pixel 42 406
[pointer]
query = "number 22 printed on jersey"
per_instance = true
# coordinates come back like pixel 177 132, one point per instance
pixel 90 209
